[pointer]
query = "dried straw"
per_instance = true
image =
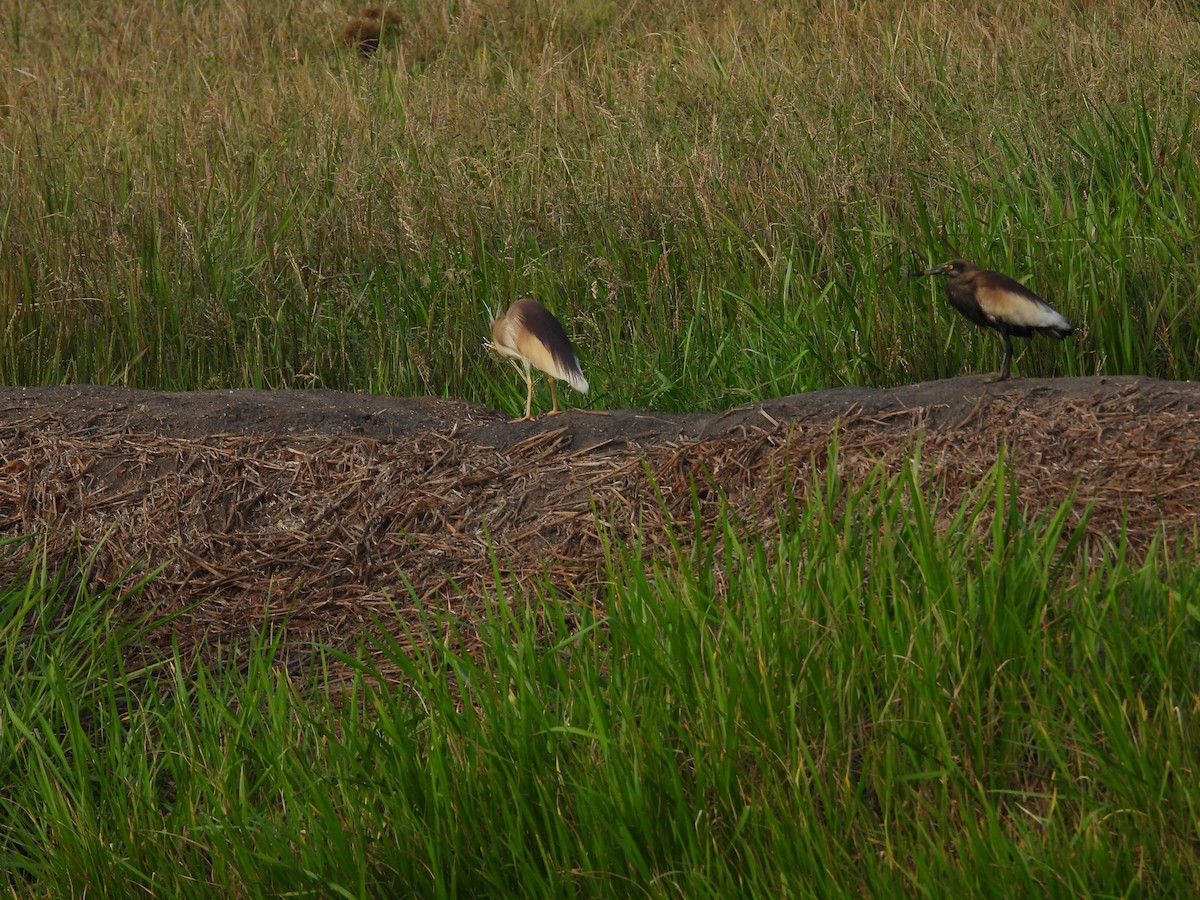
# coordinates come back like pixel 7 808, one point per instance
pixel 325 532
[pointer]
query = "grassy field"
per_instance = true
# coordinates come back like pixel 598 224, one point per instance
pixel 863 709
pixel 724 202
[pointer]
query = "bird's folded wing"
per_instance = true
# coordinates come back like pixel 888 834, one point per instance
pixel 1021 308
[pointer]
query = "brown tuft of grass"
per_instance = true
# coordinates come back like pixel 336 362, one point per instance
pixel 371 28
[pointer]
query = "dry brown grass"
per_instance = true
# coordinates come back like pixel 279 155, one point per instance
pixel 494 119
pixel 329 530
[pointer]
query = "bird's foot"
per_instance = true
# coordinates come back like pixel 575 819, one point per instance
pixel 996 379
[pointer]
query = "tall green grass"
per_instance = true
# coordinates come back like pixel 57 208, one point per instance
pixel 892 695
pixel 723 201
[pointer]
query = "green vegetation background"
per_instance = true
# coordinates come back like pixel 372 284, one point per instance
pixel 723 201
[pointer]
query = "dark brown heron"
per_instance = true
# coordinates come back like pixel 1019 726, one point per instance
pixel 998 302
pixel 529 332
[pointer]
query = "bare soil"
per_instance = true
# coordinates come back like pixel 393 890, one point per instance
pixel 322 513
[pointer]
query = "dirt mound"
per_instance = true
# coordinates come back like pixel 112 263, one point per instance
pixel 327 511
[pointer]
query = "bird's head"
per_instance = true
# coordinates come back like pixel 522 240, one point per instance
pixel 947 269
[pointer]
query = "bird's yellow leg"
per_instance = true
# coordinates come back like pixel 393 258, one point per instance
pixel 554 397
pixel 528 397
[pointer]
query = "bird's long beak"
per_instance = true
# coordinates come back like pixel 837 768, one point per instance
pixel 936 270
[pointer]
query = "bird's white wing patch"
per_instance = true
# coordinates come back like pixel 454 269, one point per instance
pixel 1009 307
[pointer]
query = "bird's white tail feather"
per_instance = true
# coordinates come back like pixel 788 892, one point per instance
pixel 1050 322
pixel 1038 316
pixel 576 380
